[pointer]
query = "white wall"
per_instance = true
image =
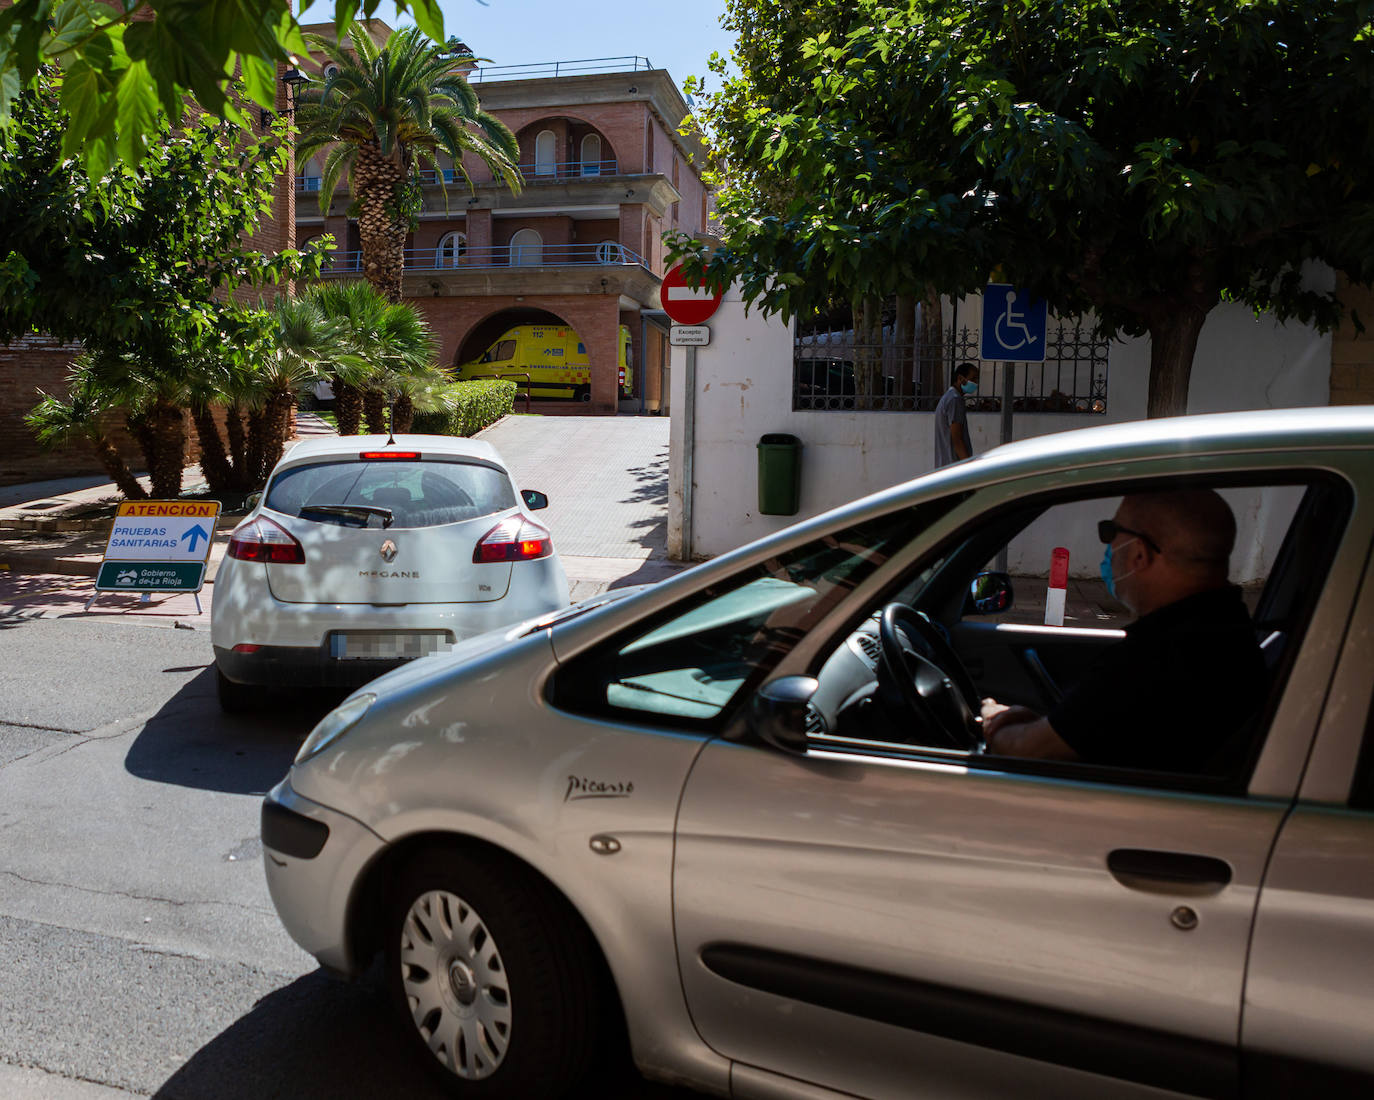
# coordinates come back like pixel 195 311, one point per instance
pixel 743 390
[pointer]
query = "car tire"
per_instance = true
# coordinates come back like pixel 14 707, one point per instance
pixel 490 977
pixel 235 698
pixel 582 393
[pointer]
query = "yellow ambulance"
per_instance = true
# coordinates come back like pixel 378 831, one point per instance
pixel 553 356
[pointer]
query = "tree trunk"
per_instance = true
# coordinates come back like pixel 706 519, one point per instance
pixel 1173 343
pixel 374 402
pixel 256 448
pixel 933 351
pixel 865 353
pixel 167 429
pixel 214 461
pixel 403 414
pixel 118 469
pixel 348 407
pixel 238 446
pixel 277 417
pixel 382 225
pixel 904 339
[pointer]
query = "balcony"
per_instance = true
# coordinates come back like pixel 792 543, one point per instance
pixel 501 256
pixel 533 173
pixel 545 70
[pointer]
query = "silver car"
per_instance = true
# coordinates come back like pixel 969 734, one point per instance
pixel 740 819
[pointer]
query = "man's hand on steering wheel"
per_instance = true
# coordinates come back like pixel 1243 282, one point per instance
pixel 923 670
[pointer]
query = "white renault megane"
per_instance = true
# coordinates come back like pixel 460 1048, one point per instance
pixel 367 551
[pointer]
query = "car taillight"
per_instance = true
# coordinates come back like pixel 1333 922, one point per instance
pixel 514 539
pixel 262 540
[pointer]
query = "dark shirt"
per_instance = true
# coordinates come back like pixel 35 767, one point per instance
pixel 1169 697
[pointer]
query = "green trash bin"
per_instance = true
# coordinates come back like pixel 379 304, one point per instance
pixel 779 475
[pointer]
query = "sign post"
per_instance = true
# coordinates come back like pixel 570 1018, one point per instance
pixel 689 307
pixel 158 546
pixel 1014 328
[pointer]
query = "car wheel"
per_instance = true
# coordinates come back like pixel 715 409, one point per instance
pixel 235 698
pixel 490 977
pixel 582 393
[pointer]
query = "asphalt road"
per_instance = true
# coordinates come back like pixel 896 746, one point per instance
pixel 139 950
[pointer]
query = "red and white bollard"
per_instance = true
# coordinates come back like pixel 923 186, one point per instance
pixel 1058 589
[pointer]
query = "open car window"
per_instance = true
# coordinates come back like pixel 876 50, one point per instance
pixel 690 665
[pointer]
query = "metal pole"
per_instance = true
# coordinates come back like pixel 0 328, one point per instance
pixel 689 412
pixel 1008 380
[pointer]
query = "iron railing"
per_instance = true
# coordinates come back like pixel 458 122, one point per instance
pixel 544 69
pixel 831 371
pixel 444 259
pixel 543 173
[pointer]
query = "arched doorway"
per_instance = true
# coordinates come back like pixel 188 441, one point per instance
pixel 591 155
pixel 452 247
pixel 535 348
pixel 545 152
pixel 526 248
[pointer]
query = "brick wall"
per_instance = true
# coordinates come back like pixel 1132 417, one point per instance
pixel 27 366
pixel 1352 353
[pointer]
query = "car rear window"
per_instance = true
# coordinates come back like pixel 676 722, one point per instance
pixel 418 494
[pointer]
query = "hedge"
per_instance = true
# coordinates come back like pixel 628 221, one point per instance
pixel 472 406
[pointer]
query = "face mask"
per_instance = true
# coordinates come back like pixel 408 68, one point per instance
pixel 1106 570
pixel 969 387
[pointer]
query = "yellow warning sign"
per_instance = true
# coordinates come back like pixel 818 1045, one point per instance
pixel 156 508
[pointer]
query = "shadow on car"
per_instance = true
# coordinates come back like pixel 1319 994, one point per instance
pixel 190 743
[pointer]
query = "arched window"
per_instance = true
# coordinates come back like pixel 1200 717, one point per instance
pixel 610 252
pixel 526 248
pixel 545 146
pixel 591 155
pixel 330 70
pixel 452 247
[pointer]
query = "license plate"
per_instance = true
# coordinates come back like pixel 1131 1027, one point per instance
pixel 387 646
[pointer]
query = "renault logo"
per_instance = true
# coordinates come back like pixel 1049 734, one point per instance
pixel 388 551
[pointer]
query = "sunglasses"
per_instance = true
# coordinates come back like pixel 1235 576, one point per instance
pixel 1108 529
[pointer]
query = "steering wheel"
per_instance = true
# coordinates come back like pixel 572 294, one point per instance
pixel 927 676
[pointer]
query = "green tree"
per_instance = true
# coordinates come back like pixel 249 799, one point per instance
pixel 385 113
pixel 84 415
pixel 1136 160
pixel 122 62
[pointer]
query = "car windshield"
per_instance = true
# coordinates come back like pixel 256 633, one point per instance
pixel 352 493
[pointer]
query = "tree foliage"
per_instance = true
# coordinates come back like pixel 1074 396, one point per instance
pixel 127 61
pixel 382 115
pixel 1138 160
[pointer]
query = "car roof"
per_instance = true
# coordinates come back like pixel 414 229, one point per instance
pixel 429 446
pixel 1269 429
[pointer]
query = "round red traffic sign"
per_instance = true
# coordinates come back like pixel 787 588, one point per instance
pixel 687 305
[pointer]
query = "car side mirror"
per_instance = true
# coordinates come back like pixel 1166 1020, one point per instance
pixel 534 499
pixel 251 500
pixel 989 593
pixel 777 713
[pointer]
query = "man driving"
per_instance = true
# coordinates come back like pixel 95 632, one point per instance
pixel 1189 672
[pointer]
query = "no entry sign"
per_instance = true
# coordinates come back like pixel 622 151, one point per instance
pixel 687 305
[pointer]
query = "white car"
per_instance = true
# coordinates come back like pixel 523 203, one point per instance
pixel 364 552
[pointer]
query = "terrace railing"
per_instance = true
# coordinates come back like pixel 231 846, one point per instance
pixel 546 69
pixel 440 259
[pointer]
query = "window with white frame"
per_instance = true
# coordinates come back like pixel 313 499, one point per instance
pixel 452 248
pixel 591 155
pixel 545 147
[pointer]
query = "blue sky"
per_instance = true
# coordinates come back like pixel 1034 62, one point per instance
pixel 677 36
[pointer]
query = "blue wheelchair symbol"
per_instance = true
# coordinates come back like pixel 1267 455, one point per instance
pixel 1014 325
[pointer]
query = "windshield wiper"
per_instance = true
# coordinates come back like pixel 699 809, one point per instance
pixel 348 510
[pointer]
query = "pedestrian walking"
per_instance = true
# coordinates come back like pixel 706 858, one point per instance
pixel 952 441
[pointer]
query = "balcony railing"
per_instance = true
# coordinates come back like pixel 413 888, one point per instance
pixel 544 69
pixel 543 173
pixel 308 183
pixel 440 259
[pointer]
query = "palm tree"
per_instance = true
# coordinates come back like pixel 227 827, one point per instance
pixel 81 416
pixel 384 114
pixel 358 310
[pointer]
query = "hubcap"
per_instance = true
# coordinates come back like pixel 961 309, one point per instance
pixel 455 984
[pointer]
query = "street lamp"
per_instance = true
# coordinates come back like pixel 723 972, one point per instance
pixel 293 78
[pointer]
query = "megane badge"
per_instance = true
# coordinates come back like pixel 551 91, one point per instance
pixel 388 551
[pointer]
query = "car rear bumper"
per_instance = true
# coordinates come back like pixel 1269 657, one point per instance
pixel 300 666
pixel 311 893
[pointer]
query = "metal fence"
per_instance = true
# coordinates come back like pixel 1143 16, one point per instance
pixel 831 371
pixel 544 69
pixel 449 259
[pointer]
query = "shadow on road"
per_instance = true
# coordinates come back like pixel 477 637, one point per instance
pixel 191 743
pixel 320 1039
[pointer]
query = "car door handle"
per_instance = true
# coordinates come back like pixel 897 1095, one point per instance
pixel 1168 872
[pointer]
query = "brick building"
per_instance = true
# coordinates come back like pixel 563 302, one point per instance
pixel 606 174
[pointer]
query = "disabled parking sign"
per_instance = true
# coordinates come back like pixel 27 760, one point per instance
pixel 158 546
pixel 1014 324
